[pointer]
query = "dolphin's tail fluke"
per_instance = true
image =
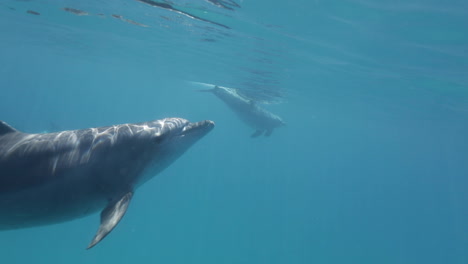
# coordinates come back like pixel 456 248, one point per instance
pixel 212 87
pixel 205 90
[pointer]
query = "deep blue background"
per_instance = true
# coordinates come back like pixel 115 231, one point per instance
pixel 372 166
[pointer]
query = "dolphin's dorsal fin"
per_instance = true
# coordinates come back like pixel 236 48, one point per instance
pixel 5 128
pixel 110 217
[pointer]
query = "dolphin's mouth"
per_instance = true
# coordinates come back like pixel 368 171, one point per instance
pixel 201 127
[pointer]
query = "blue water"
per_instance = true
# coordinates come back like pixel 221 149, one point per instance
pixel 372 166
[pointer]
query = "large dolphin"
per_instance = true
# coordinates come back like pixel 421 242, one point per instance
pixel 246 109
pixel 54 177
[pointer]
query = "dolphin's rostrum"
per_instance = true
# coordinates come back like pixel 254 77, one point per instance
pixel 55 177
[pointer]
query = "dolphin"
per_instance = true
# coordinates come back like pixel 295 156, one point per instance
pixel 55 177
pixel 247 110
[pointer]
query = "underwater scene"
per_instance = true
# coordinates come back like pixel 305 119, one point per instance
pixel 234 131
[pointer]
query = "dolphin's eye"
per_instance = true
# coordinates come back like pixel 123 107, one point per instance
pixel 160 138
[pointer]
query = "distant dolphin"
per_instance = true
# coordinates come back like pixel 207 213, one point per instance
pixel 56 177
pixel 246 109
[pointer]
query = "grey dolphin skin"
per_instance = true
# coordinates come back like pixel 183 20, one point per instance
pixel 55 177
pixel 247 110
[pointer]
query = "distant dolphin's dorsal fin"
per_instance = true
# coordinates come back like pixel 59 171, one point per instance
pixel 110 217
pixel 5 128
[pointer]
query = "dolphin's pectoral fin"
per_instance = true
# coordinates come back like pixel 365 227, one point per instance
pixel 256 133
pixel 110 217
pixel 268 132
